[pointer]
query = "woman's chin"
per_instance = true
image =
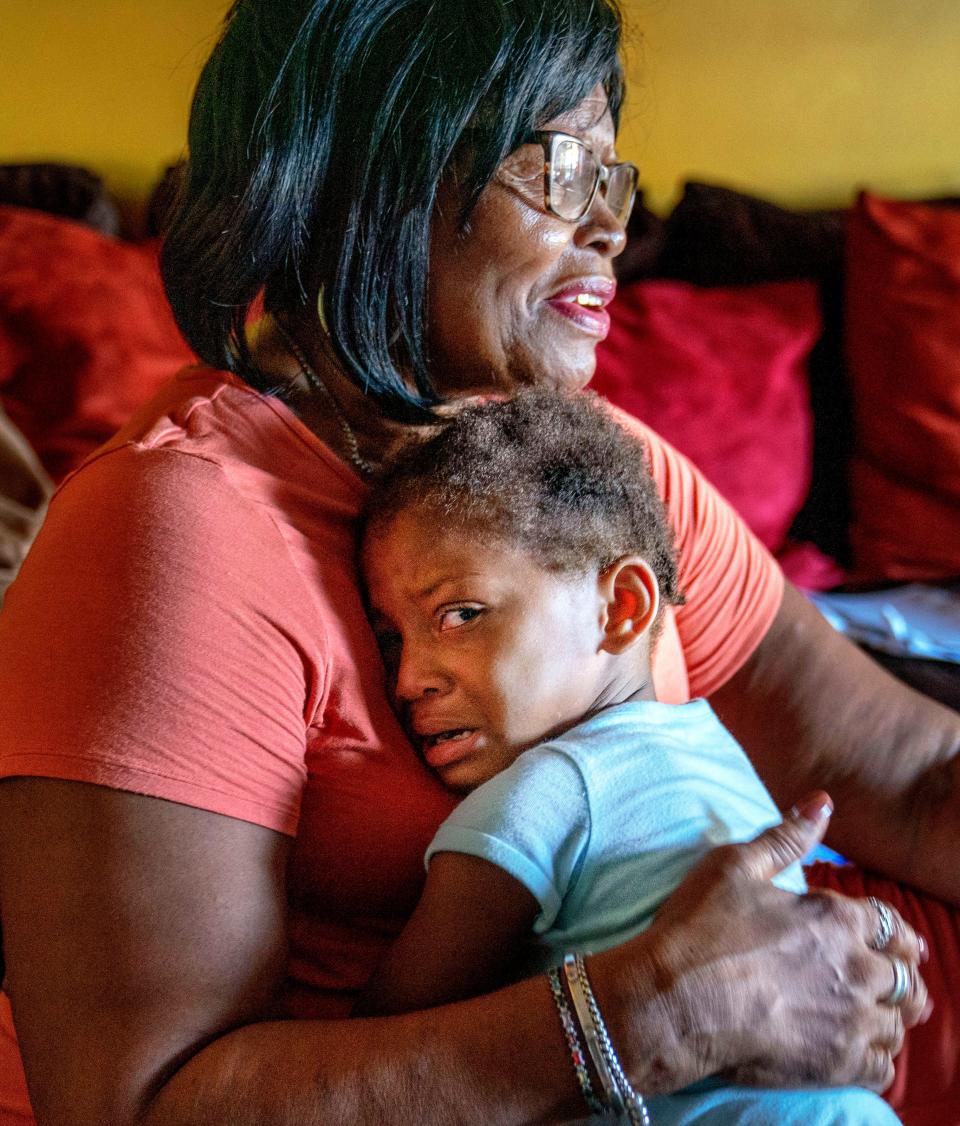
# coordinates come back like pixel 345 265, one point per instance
pixel 566 376
pixel 568 367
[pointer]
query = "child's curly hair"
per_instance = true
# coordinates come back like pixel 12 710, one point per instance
pixel 552 473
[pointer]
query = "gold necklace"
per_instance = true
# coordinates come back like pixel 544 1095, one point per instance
pixel 314 380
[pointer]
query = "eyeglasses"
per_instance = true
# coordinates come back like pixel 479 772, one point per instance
pixel 572 175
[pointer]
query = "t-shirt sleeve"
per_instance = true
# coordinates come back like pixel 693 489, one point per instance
pixel 532 820
pixel 733 585
pixel 152 643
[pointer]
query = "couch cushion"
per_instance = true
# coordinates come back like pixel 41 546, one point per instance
pixel 86 334
pixel 720 373
pixel 903 345
pixel 720 236
pixel 61 189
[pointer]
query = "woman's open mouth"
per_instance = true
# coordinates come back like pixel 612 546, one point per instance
pixel 585 308
pixel 444 747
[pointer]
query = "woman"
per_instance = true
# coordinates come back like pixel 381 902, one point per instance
pixel 202 770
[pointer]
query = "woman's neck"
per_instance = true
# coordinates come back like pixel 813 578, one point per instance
pixel 322 395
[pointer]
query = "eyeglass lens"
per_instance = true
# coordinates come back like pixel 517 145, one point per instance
pixel 573 173
pixel 621 187
pixel 573 176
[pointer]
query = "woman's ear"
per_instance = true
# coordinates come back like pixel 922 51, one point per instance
pixel 631 596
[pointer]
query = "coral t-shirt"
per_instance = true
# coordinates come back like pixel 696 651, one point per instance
pixel 189 626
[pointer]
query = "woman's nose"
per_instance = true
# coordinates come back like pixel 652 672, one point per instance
pixel 601 230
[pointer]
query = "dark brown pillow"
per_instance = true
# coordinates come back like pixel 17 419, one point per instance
pixel 646 238
pixel 719 236
pixel 60 189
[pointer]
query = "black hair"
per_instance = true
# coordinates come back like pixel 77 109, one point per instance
pixel 319 134
pixel 550 472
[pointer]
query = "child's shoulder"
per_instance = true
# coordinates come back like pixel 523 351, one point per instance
pixel 606 747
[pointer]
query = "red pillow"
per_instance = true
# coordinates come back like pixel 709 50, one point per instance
pixel 86 334
pixel 903 350
pixel 721 374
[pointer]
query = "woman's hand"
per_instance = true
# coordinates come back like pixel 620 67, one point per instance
pixel 763 986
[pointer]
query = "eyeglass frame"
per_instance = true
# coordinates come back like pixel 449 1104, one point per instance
pixel 547 138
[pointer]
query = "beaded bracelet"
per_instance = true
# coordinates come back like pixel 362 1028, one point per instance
pixel 621 1096
pixel 588 1025
pixel 577 1057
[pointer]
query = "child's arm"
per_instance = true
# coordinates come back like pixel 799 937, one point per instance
pixel 461 940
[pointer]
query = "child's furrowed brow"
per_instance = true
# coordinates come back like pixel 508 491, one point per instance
pixel 436 585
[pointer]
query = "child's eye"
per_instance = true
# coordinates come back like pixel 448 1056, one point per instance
pixel 458 616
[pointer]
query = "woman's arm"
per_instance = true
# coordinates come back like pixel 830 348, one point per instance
pixel 462 939
pixel 812 710
pixel 141 975
pixel 141 978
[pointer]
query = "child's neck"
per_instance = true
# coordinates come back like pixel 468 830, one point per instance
pixel 630 680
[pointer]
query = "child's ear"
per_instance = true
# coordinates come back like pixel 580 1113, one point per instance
pixel 631 594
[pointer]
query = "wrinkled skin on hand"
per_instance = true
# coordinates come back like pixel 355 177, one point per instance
pixel 768 988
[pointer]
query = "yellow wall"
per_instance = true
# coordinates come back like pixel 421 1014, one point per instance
pixel 801 100
pixel 104 83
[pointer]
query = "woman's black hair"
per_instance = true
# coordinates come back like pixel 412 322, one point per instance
pixel 319 134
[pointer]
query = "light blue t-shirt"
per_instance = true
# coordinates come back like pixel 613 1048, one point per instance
pixel 602 823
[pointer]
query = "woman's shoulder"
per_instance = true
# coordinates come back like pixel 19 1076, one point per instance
pixel 216 417
pixel 675 475
pixel 209 464
pixel 189 640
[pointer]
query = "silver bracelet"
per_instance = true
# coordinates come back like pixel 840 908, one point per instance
pixel 621 1097
pixel 591 1035
pixel 574 1047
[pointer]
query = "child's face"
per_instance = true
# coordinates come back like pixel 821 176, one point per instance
pixel 487 652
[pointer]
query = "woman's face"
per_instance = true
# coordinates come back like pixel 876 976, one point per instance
pixel 504 308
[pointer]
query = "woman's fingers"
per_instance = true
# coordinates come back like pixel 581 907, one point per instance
pixel 888 932
pixel 902 988
pixel 845 974
pixel 891 1038
pixel 891 977
pixel 781 845
pixel 878 1072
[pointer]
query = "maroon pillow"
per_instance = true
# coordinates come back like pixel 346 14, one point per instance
pixel 903 345
pixel 86 334
pixel 720 373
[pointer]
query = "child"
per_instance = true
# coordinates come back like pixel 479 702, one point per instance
pixel 518 563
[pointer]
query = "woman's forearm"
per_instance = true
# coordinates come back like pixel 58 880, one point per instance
pixel 124 1017
pixel 812 710
pixel 162 1021
pixel 498 1058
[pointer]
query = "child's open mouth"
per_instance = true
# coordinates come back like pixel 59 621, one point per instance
pixel 444 747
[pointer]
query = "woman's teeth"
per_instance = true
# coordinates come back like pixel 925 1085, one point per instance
pixel 589 300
